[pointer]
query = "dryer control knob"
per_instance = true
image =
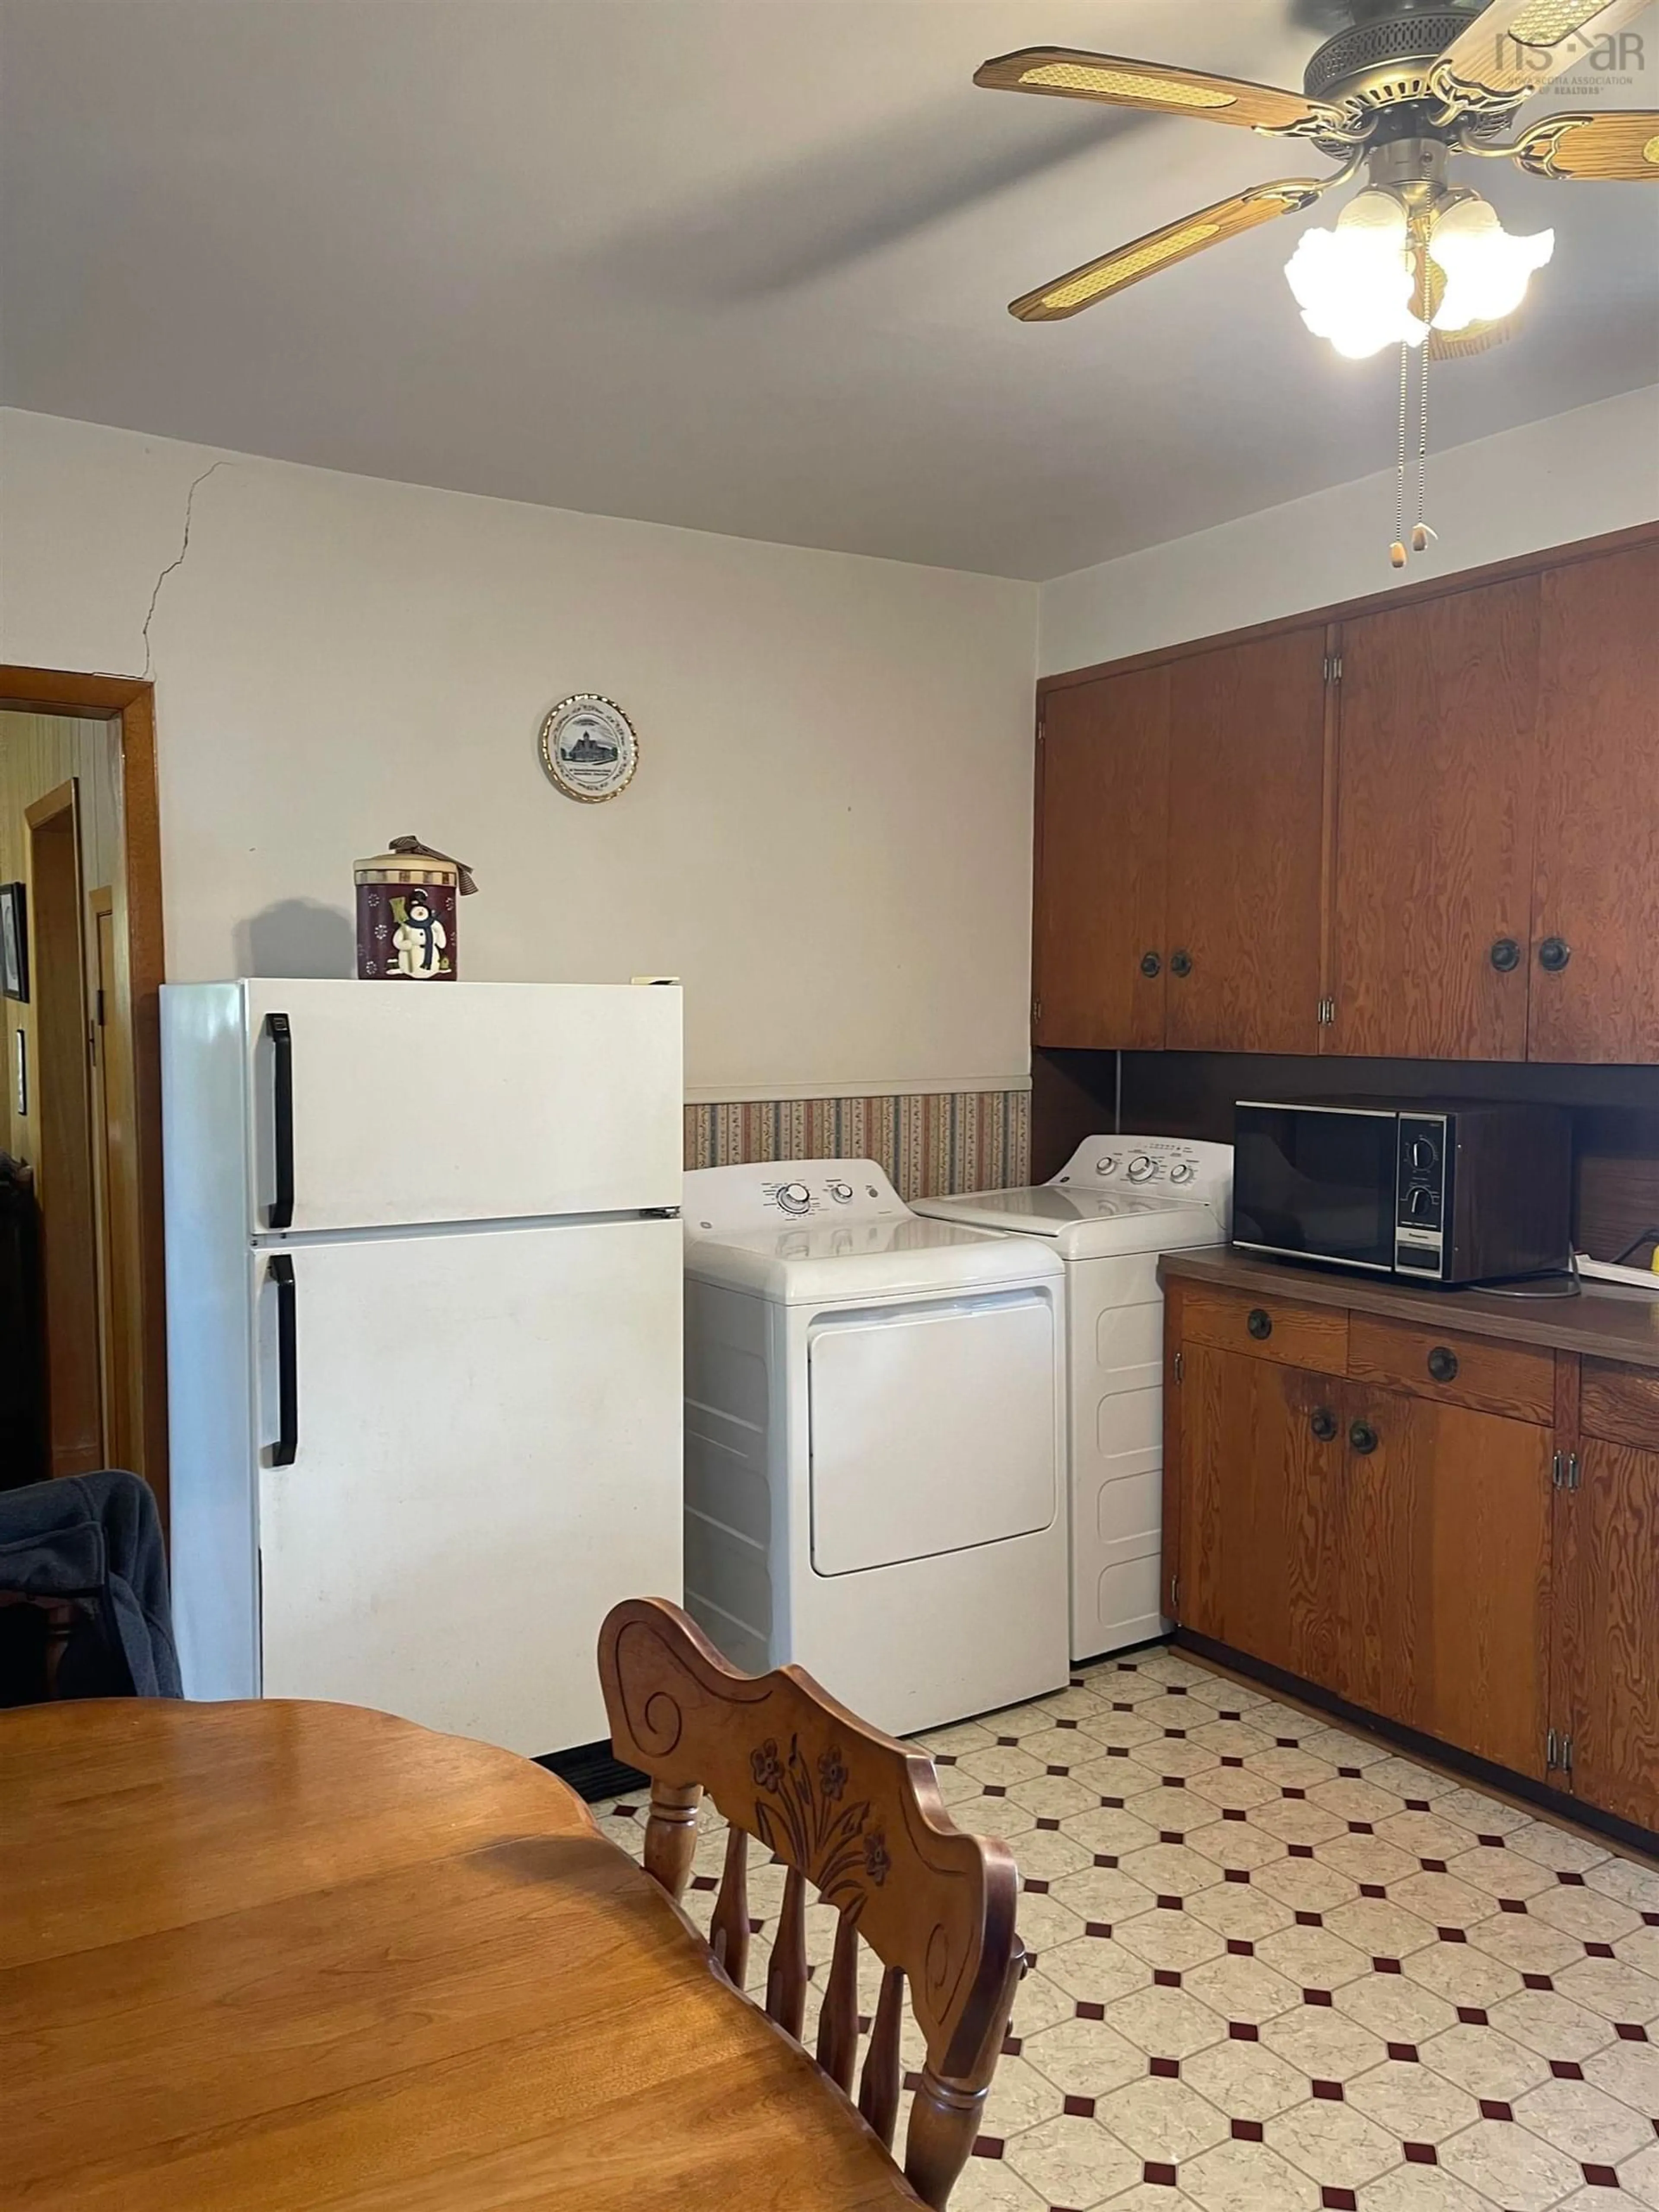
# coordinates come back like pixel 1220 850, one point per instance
pixel 1106 1164
pixel 794 1197
pixel 841 1192
pixel 1182 1171
pixel 1141 1169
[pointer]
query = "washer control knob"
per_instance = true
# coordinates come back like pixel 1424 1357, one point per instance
pixel 841 1192
pixel 1106 1164
pixel 794 1197
pixel 1182 1171
pixel 1142 1169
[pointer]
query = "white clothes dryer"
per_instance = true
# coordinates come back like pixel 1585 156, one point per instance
pixel 1118 1202
pixel 875 1439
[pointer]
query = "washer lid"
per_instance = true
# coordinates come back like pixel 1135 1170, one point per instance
pixel 840 1261
pixel 1082 1223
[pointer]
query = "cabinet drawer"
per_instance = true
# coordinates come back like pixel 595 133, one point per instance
pixel 1620 1404
pixel 1515 1379
pixel 1271 1328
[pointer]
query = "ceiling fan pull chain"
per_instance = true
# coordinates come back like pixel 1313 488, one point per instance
pixel 1397 550
pixel 1422 536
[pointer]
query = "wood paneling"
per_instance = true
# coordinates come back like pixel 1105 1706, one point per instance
pixel 1102 798
pixel 1247 732
pixel 1607 1610
pixel 1435 809
pixel 1298 1335
pixel 1492 1378
pixel 1596 880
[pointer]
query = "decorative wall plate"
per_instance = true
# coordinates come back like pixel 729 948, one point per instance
pixel 589 748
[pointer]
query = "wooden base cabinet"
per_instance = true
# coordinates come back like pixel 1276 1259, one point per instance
pixel 1392 1550
pixel 1450 1528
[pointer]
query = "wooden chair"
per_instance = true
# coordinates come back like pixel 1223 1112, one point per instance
pixel 859 1818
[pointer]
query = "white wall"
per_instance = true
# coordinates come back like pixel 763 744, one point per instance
pixel 829 837
pixel 1575 476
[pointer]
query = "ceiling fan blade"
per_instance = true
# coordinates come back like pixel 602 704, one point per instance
pixel 1158 87
pixel 1113 272
pixel 1517 46
pixel 1615 148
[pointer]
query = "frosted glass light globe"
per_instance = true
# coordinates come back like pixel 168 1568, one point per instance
pixel 1354 284
pixel 1487 270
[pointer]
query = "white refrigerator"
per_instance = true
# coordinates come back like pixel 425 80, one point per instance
pixel 423 1266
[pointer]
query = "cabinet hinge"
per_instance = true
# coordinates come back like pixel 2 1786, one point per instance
pixel 1333 668
pixel 1037 1010
pixel 1180 1366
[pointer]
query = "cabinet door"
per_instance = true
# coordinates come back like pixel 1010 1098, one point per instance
pixel 1445 1611
pixel 1434 836
pixel 1247 752
pixel 1596 885
pixel 1100 862
pixel 1261 1543
pixel 1607 1621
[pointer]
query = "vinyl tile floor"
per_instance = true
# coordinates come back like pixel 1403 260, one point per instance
pixel 1276 1965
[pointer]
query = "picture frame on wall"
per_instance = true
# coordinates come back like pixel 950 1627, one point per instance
pixel 14 942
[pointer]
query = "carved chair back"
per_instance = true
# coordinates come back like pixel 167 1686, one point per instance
pixel 859 1818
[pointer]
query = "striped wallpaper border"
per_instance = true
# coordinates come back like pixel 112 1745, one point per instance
pixel 931 1142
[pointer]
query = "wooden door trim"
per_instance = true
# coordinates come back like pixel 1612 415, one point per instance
pixel 129 703
pixel 1402 595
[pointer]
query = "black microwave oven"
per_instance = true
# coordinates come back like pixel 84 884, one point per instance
pixel 1447 1194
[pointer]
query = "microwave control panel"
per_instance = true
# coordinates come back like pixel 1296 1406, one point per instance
pixel 1423 1188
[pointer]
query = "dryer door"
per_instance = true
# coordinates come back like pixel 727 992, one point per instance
pixel 933 1429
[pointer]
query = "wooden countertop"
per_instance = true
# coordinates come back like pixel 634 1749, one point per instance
pixel 1605 1321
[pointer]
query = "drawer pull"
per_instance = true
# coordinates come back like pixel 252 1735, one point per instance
pixel 1363 1439
pixel 1442 1364
pixel 1260 1323
pixel 1322 1422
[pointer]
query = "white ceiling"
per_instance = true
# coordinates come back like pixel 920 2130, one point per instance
pixel 739 265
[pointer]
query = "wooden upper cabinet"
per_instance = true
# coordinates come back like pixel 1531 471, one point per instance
pixel 1246 725
pixel 1102 800
pixel 1596 884
pixel 1434 829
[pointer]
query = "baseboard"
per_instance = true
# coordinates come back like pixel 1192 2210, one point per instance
pixel 1571 1810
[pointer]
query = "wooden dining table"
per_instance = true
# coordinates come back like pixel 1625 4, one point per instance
pixel 261 1957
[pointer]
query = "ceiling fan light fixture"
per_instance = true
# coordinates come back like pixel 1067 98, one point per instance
pixel 1487 270
pixel 1124 84
pixel 1355 284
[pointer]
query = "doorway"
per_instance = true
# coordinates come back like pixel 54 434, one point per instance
pixel 80 1110
pixel 62 1111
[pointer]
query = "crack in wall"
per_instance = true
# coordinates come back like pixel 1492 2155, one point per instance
pixel 179 560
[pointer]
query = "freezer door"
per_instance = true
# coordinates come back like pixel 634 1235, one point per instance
pixel 485 1431
pixel 382 1104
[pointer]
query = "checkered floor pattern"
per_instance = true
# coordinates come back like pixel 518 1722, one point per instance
pixel 1277 1967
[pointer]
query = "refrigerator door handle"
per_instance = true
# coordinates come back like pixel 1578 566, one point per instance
pixel 287 1446
pixel 281 1211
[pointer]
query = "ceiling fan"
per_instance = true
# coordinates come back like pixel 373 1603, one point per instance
pixel 1405 88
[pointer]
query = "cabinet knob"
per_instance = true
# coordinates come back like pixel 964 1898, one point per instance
pixel 1505 956
pixel 1442 1364
pixel 1322 1422
pixel 1260 1323
pixel 1181 963
pixel 1553 955
pixel 1151 965
pixel 1364 1437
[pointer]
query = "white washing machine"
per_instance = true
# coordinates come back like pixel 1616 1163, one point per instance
pixel 875 1440
pixel 1118 1202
